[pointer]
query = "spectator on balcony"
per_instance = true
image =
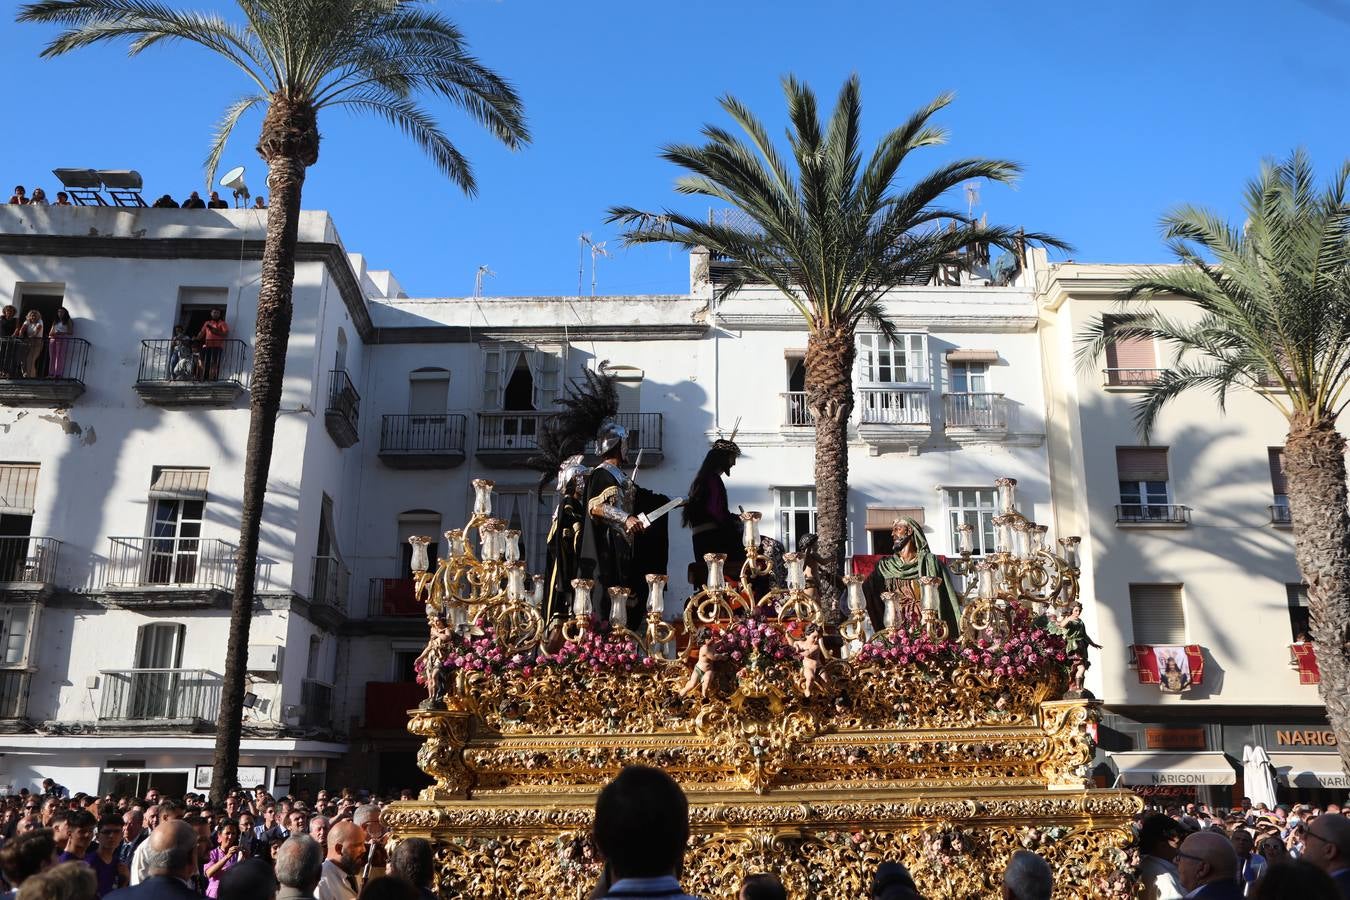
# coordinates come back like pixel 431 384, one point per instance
pixel 194 201
pixel 39 198
pixel 20 196
pixel 63 329
pixel 213 333
pixel 9 342
pixel 216 203
pixel 260 202
pixel 62 199
pixel 165 202
pixel 33 333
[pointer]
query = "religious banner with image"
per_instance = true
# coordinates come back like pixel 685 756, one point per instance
pixel 1173 668
pixel 1305 660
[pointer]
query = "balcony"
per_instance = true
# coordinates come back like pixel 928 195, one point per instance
pixel 55 377
pixel 1137 379
pixel 894 418
pixel 160 697
pixel 343 412
pixel 316 700
pixel 644 435
pixel 190 374
pixel 508 438
pixel 329 584
pixel 795 413
pixel 422 442
pixel 393 598
pixel 169 572
pixel 1164 515
pixel 388 702
pixel 974 417
pixel 1280 516
pixel 28 567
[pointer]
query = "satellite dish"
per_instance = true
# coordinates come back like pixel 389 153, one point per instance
pixel 234 180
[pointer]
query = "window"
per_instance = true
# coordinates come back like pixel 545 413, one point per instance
pixel 1144 496
pixel 312 661
pixel 20 558
pixel 902 361
pixel 1129 360
pixel 1157 614
pixel 880 520
pixel 428 395
pixel 15 626
pixel 1279 486
pixel 153 694
pixel 521 510
pixel 518 378
pixel 796 514
pixel 195 305
pixel 1300 623
pixel 404 664
pixel 425 522
pixel 976 507
pixel 160 646
pixel 178 498
pixel 340 355
pixel 969 377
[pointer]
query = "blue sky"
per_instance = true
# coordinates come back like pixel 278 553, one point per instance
pixel 1118 111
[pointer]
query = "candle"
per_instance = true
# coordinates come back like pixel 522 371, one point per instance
pixel 1007 495
pixel 985 574
pixel 512 544
pixel 1069 547
pixel 454 538
pixel 537 584
pixel 716 580
pixel 482 497
pixel 750 529
pixel 515 580
pixel 892 614
pixel 965 538
pixel 857 603
pixel 796 571
pixel 420 563
pixel 581 597
pixel 656 594
pixel 929 588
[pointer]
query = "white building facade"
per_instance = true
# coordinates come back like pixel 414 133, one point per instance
pixel 121 465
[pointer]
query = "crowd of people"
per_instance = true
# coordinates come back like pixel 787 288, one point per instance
pixel 23 340
pixel 333 847
pixel 21 197
pixel 1291 850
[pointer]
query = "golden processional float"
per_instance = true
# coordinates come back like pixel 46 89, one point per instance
pixel 947 752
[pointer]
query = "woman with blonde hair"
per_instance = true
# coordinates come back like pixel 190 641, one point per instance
pixel 32 332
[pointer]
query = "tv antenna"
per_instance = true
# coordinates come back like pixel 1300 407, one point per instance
pixel 483 272
pixel 597 250
pixel 584 241
pixel 972 198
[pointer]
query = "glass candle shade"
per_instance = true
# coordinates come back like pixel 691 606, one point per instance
pixel 857 603
pixel 489 534
pixel 716 580
pixel 454 539
pixel 1069 548
pixel 1021 537
pixel 891 605
pixel 618 603
pixel 537 585
pixel 985 579
pixel 511 544
pixel 965 538
pixel 929 588
pixel 750 529
pixel 796 571
pixel 581 597
pixel 1038 533
pixel 420 562
pixel 1007 495
pixel 457 615
pixel 482 497
pixel 515 580
pixel 656 594
pixel 1003 540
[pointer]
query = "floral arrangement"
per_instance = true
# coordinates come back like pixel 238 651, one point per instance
pixel 902 648
pixel 751 638
pixel 599 649
pixel 1028 649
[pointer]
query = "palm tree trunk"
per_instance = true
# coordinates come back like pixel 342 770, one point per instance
pixel 1314 460
pixel 829 397
pixel 285 179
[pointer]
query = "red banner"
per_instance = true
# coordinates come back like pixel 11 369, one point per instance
pixel 1172 668
pixel 1306 661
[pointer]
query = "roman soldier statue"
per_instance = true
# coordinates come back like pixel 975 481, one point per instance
pixel 899 574
pixel 715 528
pixel 564 539
pixel 610 523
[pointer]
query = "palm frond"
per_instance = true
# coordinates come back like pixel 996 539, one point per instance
pixel 224 128
pixel 420 125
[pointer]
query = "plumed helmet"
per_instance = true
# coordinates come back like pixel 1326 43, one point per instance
pixel 611 435
pixel 571 468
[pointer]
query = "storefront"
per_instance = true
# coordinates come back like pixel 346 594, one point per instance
pixel 1305 755
pixel 1174 777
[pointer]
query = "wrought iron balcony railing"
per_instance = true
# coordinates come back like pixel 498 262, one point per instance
pixel 1153 513
pixel 344 409
pixel 979 411
pixel 56 358
pixel 509 431
pixel 890 406
pixel 192 362
pixel 1131 377
pixel 644 432
pixel 29 560
pixel 422 434
pixel 150 694
pixel 330 582
pixel 795 413
pixel 135 562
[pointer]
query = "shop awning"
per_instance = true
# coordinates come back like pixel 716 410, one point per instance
pixel 1157 768
pixel 1310 770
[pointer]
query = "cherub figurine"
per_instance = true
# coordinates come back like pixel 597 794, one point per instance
pixel 433 658
pixel 813 657
pixel 701 677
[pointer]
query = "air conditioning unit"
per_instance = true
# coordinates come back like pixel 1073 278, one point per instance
pixel 264 659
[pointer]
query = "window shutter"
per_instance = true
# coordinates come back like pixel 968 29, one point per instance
pixel 1141 463
pixel 883 517
pixel 179 484
pixel 18 488
pixel 544 370
pixel 427 396
pixel 492 379
pixel 1297 595
pixel 1278 483
pixel 1157 614
pixel 1130 352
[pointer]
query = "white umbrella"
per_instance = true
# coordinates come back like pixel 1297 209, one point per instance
pixel 1258 776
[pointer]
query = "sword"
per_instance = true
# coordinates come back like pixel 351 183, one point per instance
pixel 636 463
pixel 648 518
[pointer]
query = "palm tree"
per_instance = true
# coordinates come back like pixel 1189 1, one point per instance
pixel 833 236
pixel 302 56
pixel 1273 303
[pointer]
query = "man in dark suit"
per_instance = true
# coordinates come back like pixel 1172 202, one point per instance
pixel 1207 864
pixel 173 862
pixel 1326 844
